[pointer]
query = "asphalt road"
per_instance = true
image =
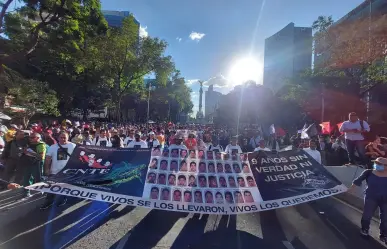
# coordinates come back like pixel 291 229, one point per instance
pixel 324 224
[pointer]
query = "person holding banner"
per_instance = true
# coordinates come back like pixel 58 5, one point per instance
pixel 178 143
pixel 233 148
pixel 102 140
pixel 56 159
pixel 137 143
pixel 375 196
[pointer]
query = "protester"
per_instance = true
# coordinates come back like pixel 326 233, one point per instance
pixel 375 196
pixel 233 147
pixel 137 142
pixel 11 157
pixel 152 141
pixel 178 143
pixel 354 139
pixel 56 159
pixel 102 139
pixel 32 160
pixel 313 152
pixel 262 146
pixel 129 138
pixel 215 146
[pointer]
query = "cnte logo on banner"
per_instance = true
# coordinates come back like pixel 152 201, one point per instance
pixel 86 171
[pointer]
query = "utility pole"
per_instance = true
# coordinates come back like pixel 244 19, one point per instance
pixel 149 90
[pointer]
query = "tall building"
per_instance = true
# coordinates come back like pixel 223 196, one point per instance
pixel 212 99
pixel 115 18
pixel 287 53
pixel 370 11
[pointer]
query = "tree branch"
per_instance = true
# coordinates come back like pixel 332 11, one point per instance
pixel 2 13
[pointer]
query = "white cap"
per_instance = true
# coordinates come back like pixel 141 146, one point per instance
pixel 151 133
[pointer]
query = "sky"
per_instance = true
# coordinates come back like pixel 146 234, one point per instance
pixel 207 37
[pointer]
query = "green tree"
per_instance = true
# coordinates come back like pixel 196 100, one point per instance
pixel 46 21
pixel 127 58
pixel 30 96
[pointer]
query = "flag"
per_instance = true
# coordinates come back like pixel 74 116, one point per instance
pixel 312 130
pixel 272 129
pixel 304 135
pixel 326 128
pixel 339 126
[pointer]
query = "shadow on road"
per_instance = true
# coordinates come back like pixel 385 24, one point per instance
pixel 151 229
pixel 344 229
pixel 54 228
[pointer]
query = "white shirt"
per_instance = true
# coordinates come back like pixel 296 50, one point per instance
pixel 155 141
pixel 348 125
pixel 180 146
pixel 336 145
pixel 314 153
pixel 140 144
pixel 254 141
pixel 127 140
pixel 215 148
pixel 262 149
pixel 103 142
pixel 230 148
pixel 2 143
pixel 59 157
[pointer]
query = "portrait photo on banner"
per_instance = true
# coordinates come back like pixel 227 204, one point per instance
pixel 197 176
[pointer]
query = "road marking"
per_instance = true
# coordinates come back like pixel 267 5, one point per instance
pixel 354 208
pixel 287 244
pixel 123 241
pixel 336 228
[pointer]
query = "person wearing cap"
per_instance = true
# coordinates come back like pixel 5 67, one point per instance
pixel 178 143
pixel 137 143
pixel 152 141
pixel 375 196
pixel 354 139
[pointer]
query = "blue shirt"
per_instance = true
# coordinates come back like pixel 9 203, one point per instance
pixel 376 185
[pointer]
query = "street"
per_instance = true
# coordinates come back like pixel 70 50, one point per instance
pixel 324 224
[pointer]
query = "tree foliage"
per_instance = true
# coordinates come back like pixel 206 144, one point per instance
pixel 29 96
pixel 47 21
pixel 348 63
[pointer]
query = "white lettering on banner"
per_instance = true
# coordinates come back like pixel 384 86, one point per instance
pixel 274 160
pixel 86 171
pixel 298 158
pixel 74 191
pixel 289 176
pixel 277 168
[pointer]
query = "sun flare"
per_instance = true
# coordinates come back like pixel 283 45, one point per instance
pixel 244 70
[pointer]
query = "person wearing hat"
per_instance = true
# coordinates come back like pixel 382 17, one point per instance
pixel 375 196
pixel 152 141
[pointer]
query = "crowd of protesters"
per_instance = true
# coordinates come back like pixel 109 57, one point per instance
pixel 28 155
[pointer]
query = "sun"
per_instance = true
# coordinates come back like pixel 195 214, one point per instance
pixel 244 70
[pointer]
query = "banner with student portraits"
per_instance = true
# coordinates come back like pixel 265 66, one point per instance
pixel 193 181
